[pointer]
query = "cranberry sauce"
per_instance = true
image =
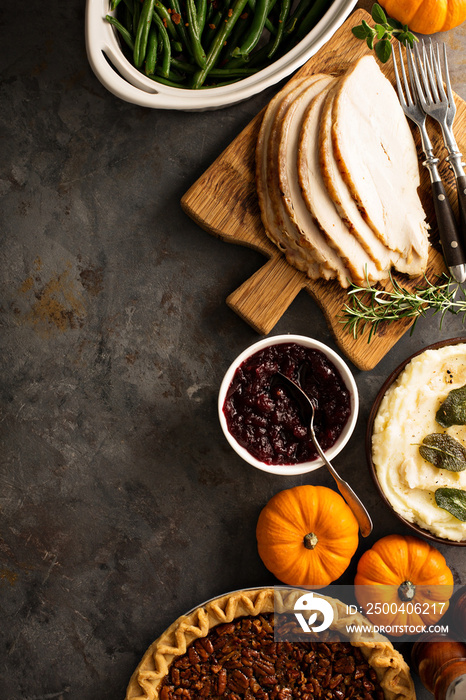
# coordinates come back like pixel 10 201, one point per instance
pixel 267 421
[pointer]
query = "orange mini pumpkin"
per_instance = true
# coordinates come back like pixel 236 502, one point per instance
pixel 403 582
pixel 307 535
pixel 427 16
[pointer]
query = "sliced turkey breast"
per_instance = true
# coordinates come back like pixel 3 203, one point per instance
pixel 277 223
pixel 283 150
pixel 377 158
pixel 302 184
pixel 273 221
pixel 339 193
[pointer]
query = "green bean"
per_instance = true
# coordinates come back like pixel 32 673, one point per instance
pixel 165 81
pixel 165 42
pixel 256 29
pixel 296 15
pixel 225 72
pixel 210 10
pixel 191 14
pixel 272 4
pixel 235 37
pixel 215 72
pixel 183 66
pixel 164 14
pixel 142 33
pixel 268 23
pixel 203 45
pixel 221 84
pixel 136 15
pixel 311 18
pixel 201 15
pixel 209 30
pixel 240 62
pixel 252 59
pixel 230 76
pixel 151 56
pixel 284 11
pixel 255 59
pixel 122 30
pixel 223 33
pixel 128 19
pixel 177 46
pixel 174 77
pixel 259 56
pixel 193 31
pixel 183 34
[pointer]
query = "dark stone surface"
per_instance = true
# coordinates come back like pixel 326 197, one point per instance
pixel 122 505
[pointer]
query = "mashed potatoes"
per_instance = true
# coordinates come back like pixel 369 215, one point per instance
pixel 405 416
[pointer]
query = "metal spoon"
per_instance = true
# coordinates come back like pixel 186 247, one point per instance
pixel 308 408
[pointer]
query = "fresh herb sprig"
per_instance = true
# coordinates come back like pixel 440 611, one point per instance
pixel 378 37
pixel 370 306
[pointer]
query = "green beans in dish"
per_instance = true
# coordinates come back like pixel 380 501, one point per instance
pixel 198 44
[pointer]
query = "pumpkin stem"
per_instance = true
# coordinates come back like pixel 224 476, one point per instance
pixel 310 540
pixel 406 591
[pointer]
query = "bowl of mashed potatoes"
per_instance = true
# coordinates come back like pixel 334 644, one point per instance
pixel 428 495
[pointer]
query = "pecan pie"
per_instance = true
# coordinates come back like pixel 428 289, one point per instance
pixel 226 649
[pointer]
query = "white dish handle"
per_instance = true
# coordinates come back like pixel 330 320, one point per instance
pixel 102 47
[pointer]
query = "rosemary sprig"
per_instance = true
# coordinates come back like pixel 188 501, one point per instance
pixel 370 306
pixel 380 35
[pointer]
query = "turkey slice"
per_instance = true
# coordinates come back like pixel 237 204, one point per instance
pixel 302 186
pixel 377 157
pixel 338 191
pixel 273 219
pixel 305 229
pixel 278 225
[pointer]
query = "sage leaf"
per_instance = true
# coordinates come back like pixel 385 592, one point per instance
pixel 394 23
pixel 383 49
pixel 378 15
pixel 406 37
pixel 381 31
pixel 452 500
pixel 359 32
pixel 453 409
pixel 444 452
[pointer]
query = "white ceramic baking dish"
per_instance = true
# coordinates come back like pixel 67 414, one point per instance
pixel 122 79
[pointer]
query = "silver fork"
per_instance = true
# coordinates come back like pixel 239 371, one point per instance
pixel 439 104
pixel 455 258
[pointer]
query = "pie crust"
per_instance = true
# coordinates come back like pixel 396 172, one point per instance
pixel 391 669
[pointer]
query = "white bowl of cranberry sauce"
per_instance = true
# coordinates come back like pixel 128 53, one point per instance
pixel 263 423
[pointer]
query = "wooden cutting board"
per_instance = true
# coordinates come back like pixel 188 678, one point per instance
pixel 223 201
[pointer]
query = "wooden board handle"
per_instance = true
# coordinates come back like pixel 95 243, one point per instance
pixel 253 301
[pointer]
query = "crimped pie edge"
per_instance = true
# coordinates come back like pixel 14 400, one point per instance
pixel 391 669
